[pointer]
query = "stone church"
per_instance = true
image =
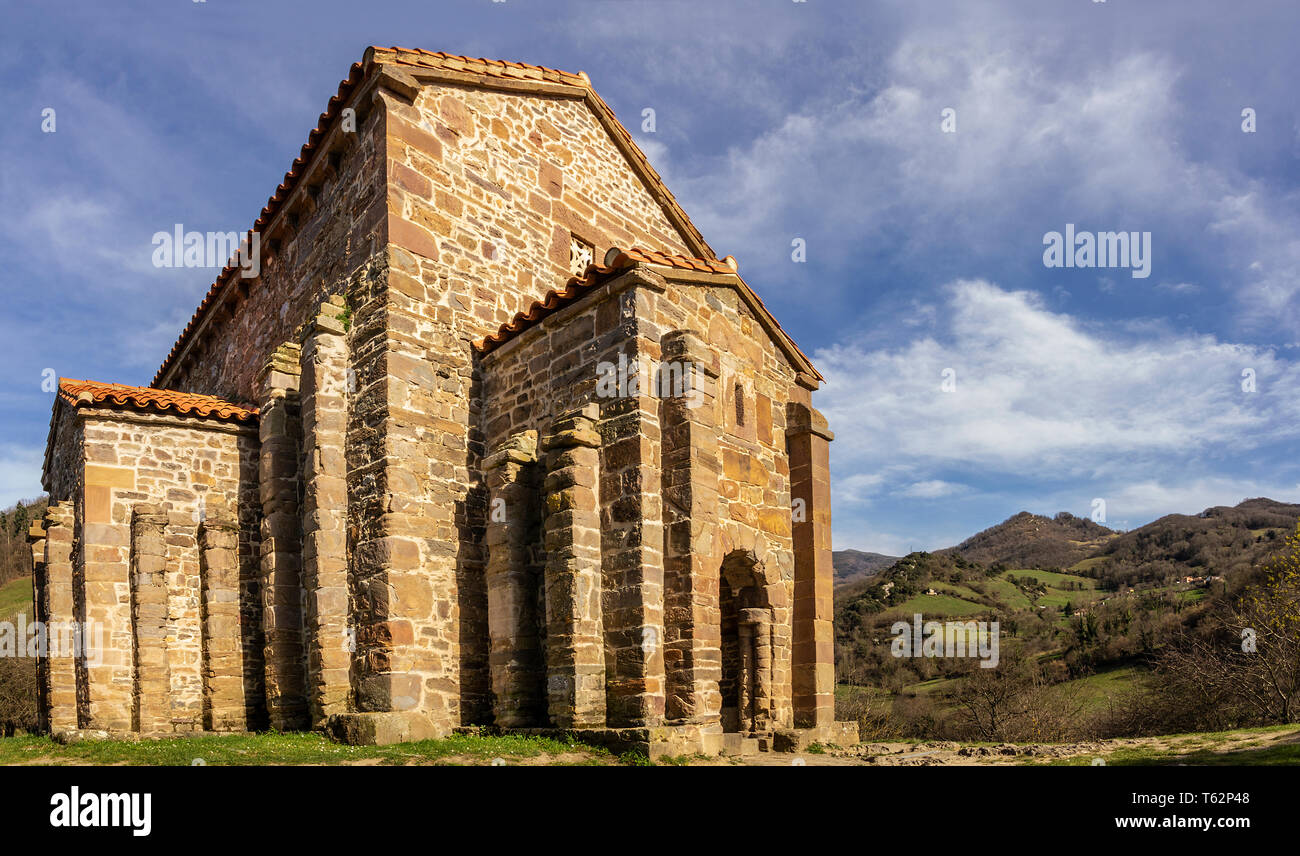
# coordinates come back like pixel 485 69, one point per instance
pixel 425 470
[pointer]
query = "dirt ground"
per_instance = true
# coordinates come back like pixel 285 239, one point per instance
pixel 950 754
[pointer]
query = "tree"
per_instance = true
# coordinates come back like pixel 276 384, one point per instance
pixel 1249 648
pixel 1014 702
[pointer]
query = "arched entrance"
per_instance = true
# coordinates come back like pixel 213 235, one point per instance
pixel 746 642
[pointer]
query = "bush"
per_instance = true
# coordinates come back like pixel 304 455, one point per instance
pixel 17 695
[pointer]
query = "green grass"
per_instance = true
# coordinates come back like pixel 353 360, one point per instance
pixel 849 692
pixel 1007 593
pixel 1097 691
pixel 15 598
pixel 293 749
pixel 1056 596
pixel 934 685
pixel 1053 579
pixel 930 605
pixel 958 591
pixel 1200 750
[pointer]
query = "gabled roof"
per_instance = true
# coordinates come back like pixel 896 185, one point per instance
pixel 89 393
pixel 75 394
pixel 618 261
pixel 455 69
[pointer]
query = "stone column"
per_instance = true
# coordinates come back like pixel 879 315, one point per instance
pixel 151 710
pixel 517 670
pixel 323 400
pixel 223 668
pixel 104 563
pixel 756 624
pixel 633 544
pixel 808 442
pixel 692 634
pixel 574 652
pixel 745 632
pixel 281 541
pixel 58 610
pixel 36 540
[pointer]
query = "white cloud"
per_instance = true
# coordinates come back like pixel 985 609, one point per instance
pixel 931 489
pixel 1041 395
pixel 865 171
pixel 1151 498
pixel 20 473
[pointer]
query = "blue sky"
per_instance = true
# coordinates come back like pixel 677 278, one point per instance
pixel 775 120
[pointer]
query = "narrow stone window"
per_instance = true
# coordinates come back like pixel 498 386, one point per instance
pixel 740 405
pixel 581 255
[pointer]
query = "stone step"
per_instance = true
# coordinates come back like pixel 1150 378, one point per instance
pixel 747 743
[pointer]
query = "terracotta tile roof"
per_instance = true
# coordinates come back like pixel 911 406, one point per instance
pixel 491 67
pixel 654 257
pixel 87 393
pixel 484 68
pixel 618 260
pixel 555 299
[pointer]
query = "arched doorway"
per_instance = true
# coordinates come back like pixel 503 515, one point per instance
pixel 746 643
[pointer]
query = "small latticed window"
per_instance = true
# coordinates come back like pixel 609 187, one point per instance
pixel 740 405
pixel 581 254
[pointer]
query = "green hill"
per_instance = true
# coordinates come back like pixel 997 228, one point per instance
pixel 16 598
pixel 1033 541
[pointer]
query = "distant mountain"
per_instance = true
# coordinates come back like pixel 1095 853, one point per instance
pixel 852 566
pixel 1223 541
pixel 1034 541
pixel 1220 541
pixel 1080 597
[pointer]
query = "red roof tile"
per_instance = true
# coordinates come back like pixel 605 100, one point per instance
pixel 87 393
pixel 495 68
pixel 574 288
pixel 654 257
pixel 618 260
pixel 594 275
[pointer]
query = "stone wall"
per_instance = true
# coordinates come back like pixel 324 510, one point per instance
pixel 486 192
pixel 162 563
pixel 686 486
pixel 750 513
pixel 333 225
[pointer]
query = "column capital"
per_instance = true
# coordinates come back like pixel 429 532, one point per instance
pixel 519 449
pixel 330 318
pixel 281 371
pixel 802 419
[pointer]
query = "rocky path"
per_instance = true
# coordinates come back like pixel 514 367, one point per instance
pixel 948 754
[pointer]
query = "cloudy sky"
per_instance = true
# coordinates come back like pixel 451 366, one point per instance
pixel 967 381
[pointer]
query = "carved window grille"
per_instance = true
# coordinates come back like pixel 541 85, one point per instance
pixel 581 254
